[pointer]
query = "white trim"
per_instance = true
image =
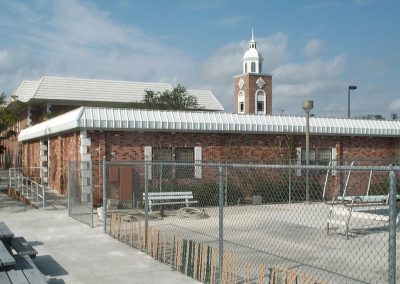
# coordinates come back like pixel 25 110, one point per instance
pixel 198 156
pixel 148 156
pixel 334 159
pixel 298 152
pixel 256 101
pixel 241 92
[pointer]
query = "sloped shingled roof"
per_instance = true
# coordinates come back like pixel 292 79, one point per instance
pixel 209 122
pixel 92 90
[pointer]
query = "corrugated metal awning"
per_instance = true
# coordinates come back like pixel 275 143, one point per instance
pixel 210 122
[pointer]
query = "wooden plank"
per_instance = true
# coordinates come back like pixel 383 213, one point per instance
pixel 6 259
pixel 35 276
pixel 4 278
pixel 22 247
pixel 17 277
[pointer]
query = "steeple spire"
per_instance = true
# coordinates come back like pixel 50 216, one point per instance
pixel 253 43
pixel 252 59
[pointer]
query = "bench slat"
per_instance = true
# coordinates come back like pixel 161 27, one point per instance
pixel 22 247
pixel 34 276
pixel 170 198
pixel 4 278
pixel 5 257
pixel 170 193
pixel 172 203
pixel 5 232
pixel 17 277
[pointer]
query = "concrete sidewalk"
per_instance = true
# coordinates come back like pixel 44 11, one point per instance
pixel 71 252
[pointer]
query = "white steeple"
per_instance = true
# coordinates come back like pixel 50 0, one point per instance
pixel 252 59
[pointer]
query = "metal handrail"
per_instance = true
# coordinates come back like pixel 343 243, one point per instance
pixel 27 186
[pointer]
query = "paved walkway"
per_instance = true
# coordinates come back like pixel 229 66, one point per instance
pixel 71 252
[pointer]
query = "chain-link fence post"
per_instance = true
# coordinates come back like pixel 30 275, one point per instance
pixel 69 181
pixel 392 227
pixel 221 224
pixel 290 181
pixel 104 195
pixel 91 192
pixel 146 205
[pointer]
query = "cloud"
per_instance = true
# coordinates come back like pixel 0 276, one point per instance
pixel 223 64
pixel 313 48
pixel 394 105
pixel 292 73
pixel 229 22
pixel 71 38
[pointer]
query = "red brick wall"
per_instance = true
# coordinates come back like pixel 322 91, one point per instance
pixel 115 145
pixel 31 159
pixel 62 149
pixel 250 88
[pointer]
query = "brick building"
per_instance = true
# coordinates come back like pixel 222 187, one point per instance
pixel 102 128
pixel 89 134
pixel 52 96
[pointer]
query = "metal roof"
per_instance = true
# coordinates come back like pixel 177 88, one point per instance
pixel 105 91
pixel 209 122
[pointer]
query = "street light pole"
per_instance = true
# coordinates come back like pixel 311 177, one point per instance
pixel 307 107
pixel 348 99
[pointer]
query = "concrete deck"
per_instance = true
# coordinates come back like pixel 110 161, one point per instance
pixel 71 252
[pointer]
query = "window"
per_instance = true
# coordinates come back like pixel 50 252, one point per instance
pixel 312 156
pixel 324 155
pixel 260 102
pixel 184 155
pixel 165 155
pixel 253 67
pixel 178 154
pixel 245 68
pixel 259 67
pixel 318 156
pixel 241 102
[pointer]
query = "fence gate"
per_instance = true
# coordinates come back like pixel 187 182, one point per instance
pixel 80 191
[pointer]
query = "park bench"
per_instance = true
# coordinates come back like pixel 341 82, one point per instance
pixel 16 265
pixel 7 261
pixel 25 272
pixel 169 198
pixel 21 246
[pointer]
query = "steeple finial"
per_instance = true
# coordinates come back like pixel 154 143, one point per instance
pixel 252 33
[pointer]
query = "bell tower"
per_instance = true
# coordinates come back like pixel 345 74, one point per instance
pixel 253 89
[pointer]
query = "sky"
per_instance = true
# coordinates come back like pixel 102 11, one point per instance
pixel 314 49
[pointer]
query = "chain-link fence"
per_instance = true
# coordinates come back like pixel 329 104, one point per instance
pixel 252 223
pixel 80 191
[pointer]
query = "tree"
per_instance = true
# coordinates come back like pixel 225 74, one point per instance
pixel 394 116
pixel 372 117
pixel 176 99
pixel 8 118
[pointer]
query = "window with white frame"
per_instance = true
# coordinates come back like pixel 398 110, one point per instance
pixel 260 104
pixel 190 155
pixel 253 67
pixel 318 156
pixel 245 67
pixel 241 102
